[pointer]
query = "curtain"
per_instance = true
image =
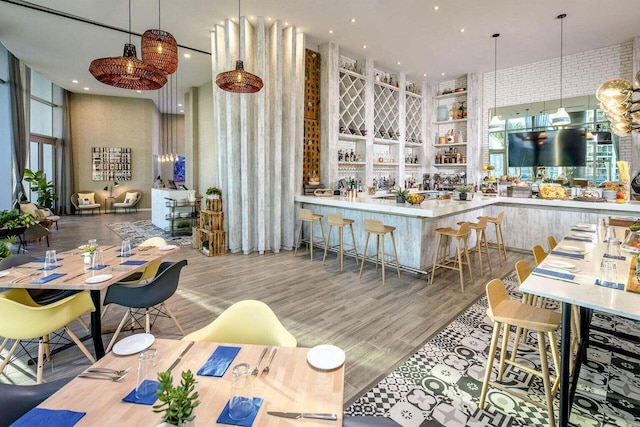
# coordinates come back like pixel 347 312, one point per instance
pixel 20 122
pixel 64 185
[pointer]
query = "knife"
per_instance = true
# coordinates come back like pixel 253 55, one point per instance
pixel 175 362
pixel 296 415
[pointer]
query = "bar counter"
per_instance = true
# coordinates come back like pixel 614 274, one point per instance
pixel 528 221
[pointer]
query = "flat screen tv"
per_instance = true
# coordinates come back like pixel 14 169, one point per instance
pixel 558 147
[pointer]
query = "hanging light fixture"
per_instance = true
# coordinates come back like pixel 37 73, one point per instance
pixel 561 117
pixel 239 80
pixel 127 71
pixel 160 49
pixel 495 122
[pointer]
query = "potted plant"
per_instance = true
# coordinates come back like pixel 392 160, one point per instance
pixel 15 219
pixel 401 194
pixel 463 192
pixel 177 402
pixel 44 188
pixel 213 193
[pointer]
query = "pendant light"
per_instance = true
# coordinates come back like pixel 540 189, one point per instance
pixel 127 71
pixel 160 49
pixel 561 118
pixel 495 123
pixel 239 80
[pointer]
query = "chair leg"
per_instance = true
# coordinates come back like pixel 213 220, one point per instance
pixel 486 248
pixel 299 238
pixel 147 321
pixel 395 253
pixel 40 368
pixel 377 251
pixel 490 358
pixel 104 311
pixel 165 307
pixel 9 355
pixel 47 347
pixel 326 244
pixel 364 253
pixel 466 254
pixel 81 346
pixel 353 239
pixel 117 331
pixel 311 239
pixel 383 266
pixel 460 267
pixel 542 347
pixel 503 350
pixel 435 258
pixel 341 248
pixel 83 323
pixel 4 344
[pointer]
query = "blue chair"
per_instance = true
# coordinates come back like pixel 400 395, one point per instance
pixel 17 400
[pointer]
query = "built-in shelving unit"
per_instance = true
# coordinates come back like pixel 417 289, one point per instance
pixel 451 126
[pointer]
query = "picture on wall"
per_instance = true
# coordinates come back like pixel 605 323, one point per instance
pixel 178 169
pixel 111 164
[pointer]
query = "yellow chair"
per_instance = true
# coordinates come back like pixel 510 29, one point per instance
pixel 22 319
pixel 552 243
pixel 538 254
pixel 246 322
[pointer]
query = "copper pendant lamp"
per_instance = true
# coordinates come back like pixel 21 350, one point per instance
pixel 239 80
pixel 160 49
pixel 127 71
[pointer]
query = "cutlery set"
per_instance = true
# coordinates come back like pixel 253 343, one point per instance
pixel 104 374
pixel 265 371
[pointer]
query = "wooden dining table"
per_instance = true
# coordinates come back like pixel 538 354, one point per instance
pixel 582 290
pixel 76 276
pixel 292 385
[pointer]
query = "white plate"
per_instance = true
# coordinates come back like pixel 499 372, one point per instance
pixel 582 235
pixel 568 248
pixel 4 273
pixel 584 226
pixel 563 265
pixel 325 356
pixel 133 344
pixel 99 278
pixel 167 247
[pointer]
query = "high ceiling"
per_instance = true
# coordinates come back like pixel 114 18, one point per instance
pixel 412 32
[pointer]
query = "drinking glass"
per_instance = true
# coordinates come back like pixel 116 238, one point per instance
pixel 608 273
pixel 93 243
pixel 97 260
pixel 125 250
pixel 610 233
pixel 50 261
pixel 147 383
pixel 613 246
pixel 241 400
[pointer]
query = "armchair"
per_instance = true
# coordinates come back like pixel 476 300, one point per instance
pixel 44 216
pixel 86 201
pixel 127 200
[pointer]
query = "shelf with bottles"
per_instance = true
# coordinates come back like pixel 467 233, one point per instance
pixel 452 144
pixel 352 106
pixel 456 93
pixel 451 165
pixel 386 112
pixel 413 118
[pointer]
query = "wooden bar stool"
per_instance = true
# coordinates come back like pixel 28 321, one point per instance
pixel 336 220
pixel 441 257
pixel 374 226
pixel 480 228
pixel 506 312
pixel 497 222
pixel 305 215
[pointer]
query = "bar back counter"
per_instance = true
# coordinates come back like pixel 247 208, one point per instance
pixel 527 221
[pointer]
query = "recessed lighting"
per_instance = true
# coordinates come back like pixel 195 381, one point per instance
pixel 364 46
pixel 424 75
pixel 74 81
pixel 462 30
pixel 286 24
pixel 269 18
pixel 330 31
pixel 187 55
pixel 139 91
pixel 252 17
pixel 442 74
pixel 398 62
pixel 86 88
pixel 353 19
pixel 182 111
pixel 179 105
pixel 436 7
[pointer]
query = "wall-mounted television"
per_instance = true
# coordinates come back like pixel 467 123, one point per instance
pixel 558 147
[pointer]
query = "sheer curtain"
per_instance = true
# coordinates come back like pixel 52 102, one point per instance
pixel 18 75
pixel 64 185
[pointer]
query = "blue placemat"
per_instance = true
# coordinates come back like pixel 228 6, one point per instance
pixel 618 257
pixel 132 247
pixel 568 254
pixel 40 417
pixel 48 278
pixel 98 267
pixel 583 230
pixel 578 239
pixel 133 262
pixel 224 417
pixel 42 259
pixel 553 273
pixel 126 256
pixel 613 285
pixel 219 361
pixel 149 400
pixel 53 267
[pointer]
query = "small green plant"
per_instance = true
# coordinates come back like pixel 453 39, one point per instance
pixel 213 191
pixel 14 219
pixel 177 402
pixel 463 189
pixel 44 188
pixel 5 246
pixel 401 193
pixel 183 224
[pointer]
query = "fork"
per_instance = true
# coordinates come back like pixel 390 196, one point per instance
pixel 110 371
pixel 100 376
pixel 265 371
pixel 256 370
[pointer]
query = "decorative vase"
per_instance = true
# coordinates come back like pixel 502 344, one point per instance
pixel 443 113
pixel 463 196
pixel 400 199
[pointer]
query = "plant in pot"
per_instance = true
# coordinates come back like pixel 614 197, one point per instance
pixel 15 219
pixel 401 194
pixel 44 188
pixel 213 193
pixel 463 192
pixel 177 402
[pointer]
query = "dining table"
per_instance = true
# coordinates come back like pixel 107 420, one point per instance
pixel 291 385
pixel 72 273
pixel 570 274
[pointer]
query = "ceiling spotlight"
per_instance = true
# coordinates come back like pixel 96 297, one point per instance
pixel 330 31
pixel 86 88
pixel 139 91
pixel 187 55
pixel 425 74
pixel 364 47
pixel 74 81
pixel 398 62
pixel 436 7
pixel 462 30
pixel 442 74
pixel 353 19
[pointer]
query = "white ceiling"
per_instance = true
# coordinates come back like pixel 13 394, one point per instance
pixel 423 40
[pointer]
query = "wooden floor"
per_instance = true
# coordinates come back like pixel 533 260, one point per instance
pixel 377 326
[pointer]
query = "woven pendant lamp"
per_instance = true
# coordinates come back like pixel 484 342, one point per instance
pixel 127 71
pixel 160 49
pixel 239 80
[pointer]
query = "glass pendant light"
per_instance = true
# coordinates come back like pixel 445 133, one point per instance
pixel 495 122
pixel 561 117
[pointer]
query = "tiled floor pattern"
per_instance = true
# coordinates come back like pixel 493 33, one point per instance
pixel 440 384
pixel 139 231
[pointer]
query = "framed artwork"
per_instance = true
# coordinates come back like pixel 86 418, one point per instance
pixel 178 169
pixel 111 164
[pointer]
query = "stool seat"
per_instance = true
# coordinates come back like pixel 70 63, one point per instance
pixel 336 220
pixel 374 226
pixel 306 215
pixel 441 257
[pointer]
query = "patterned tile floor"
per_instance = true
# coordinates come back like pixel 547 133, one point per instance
pixel 440 384
pixel 139 231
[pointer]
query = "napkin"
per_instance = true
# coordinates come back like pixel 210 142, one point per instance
pixel 579 239
pixel 618 286
pixel 224 417
pixel 133 262
pixel 48 278
pixel 39 417
pixel 53 267
pixel 552 273
pixel 149 400
pixel 98 267
pixel 219 361
pixel 618 257
pixel 567 254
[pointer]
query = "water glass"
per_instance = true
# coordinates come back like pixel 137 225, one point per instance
pixel 610 233
pixel 125 250
pixel 50 261
pixel 93 243
pixel 241 400
pixel 97 259
pixel 147 380
pixel 613 246
pixel 608 272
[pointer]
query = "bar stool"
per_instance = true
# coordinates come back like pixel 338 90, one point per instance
pixel 497 222
pixel 441 257
pixel 374 226
pixel 336 220
pixel 504 311
pixel 481 241
pixel 305 215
